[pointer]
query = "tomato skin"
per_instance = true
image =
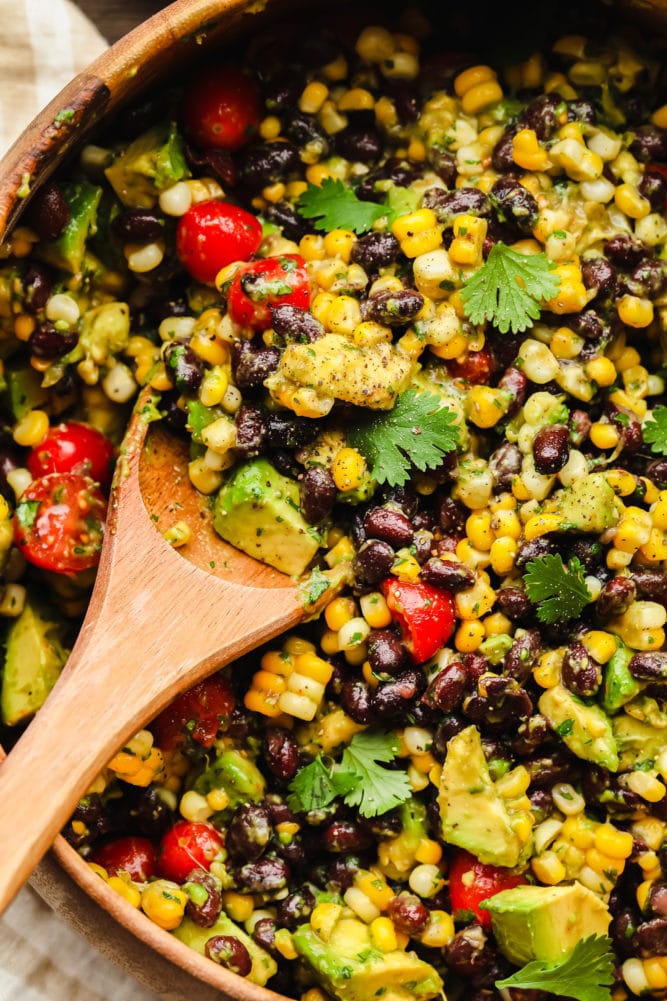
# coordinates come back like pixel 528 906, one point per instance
pixel 59 522
pixel 188 845
pixel 221 108
pixel 476 368
pixel 213 234
pixel 274 281
pixel 203 705
pixel 132 854
pixel 488 880
pixel 73 447
pixel 424 613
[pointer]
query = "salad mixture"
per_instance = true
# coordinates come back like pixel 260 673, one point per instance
pixel 406 301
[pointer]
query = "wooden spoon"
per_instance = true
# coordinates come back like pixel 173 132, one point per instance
pixel 157 623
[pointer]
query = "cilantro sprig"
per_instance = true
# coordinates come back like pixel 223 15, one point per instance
pixel 654 430
pixel 508 289
pixel 418 432
pixel 335 206
pixel 560 591
pixel 587 974
pixel 360 778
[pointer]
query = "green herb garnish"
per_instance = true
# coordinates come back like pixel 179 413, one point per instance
pixel 560 591
pixel 335 206
pixel 508 289
pixel 587 974
pixel 654 430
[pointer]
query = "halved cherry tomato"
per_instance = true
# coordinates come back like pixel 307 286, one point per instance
pixel 132 854
pixel 188 845
pixel 476 367
pixel 274 281
pixel 59 522
pixel 72 447
pixel 195 713
pixel 221 108
pixel 471 881
pixel 424 613
pixel 213 234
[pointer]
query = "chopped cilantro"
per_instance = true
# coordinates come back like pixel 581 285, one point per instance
pixel 335 206
pixel 560 591
pixel 508 289
pixel 655 430
pixel 587 974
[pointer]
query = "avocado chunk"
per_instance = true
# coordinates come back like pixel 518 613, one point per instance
pixel 589 505
pixel 618 686
pixel 264 965
pixel 68 250
pixel 639 743
pixel 236 774
pixel 397 855
pixel 34 658
pixel 257 510
pixel 583 727
pixel 152 162
pixel 352 969
pixel 24 391
pixel 545 922
pixel 474 815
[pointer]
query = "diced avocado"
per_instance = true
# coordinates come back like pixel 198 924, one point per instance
pixel 584 728
pixel 68 250
pixel 589 505
pixel 152 162
pixel 397 855
pixel 349 967
pixel 473 814
pixel 34 658
pixel 264 965
pixel 24 391
pixel 639 743
pixel 545 922
pixel 104 333
pixel 618 686
pixel 257 510
pixel 236 774
pixel 199 417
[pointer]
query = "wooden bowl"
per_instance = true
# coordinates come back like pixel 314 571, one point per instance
pixel 170 39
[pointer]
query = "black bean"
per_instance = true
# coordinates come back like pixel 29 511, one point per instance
pixel 295 908
pixel 264 934
pixel 597 273
pixel 657 471
pixel 580 673
pixel 447 728
pixel 541 804
pixel 647 278
pixel 581 110
pixel 653 186
pixel 622 930
pixel 530 735
pixel 48 213
pixel 346 836
pixel 447 689
pixel 317 493
pixel 468 955
pixel 541 115
pixel 502 156
pixel 589 551
pixel 649 666
pixel 388 524
pixel 386 653
pixel 184 367
pixel 514 382
pixel 534 549
pixel 359 143
pixel 422 545
pixel 443 163
pixel 513 203
pixel 447 204
pixel 248 832
pixel 657 898
pixel 230 952
pixel 505 464
pixel 551 449
pixel 138 226
pixel 408 913
pixel 550 767
pixel 651 584
pixel 616 597
pixel 624 250
pixel 588 325
pixel 375 250
pixel 288 431
pixel 451 515
pixel 649 144
pixel 447 574
pixel 249 430
pixel 47 342
pixel 280 753
pixel 284 215
pixel 650 939
pixel 392 700
pixel 394 309
pixel 580 426
pixel 355 698
pixel 294 325
pixel 205 903
pixel 405 498
pixel 212 163
pixel 373 561
pixel 522 655
pixel 264 875
pixel 306 133
pixel 37 287
pixel 514 603
pixel 343 869
pixel 267 163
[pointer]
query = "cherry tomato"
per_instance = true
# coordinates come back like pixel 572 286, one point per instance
pixel 221 108
pixel 59 522
pixel 213 234
pixel 188 845
pixel 477 367
pixel 196 713
pixel 73 447
pixel 275 281
pixel 467 892
pixel 132 854
pixel 424 613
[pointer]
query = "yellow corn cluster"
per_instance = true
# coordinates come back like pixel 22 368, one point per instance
pixel 583 849
pixel 289 683
pixel 139 763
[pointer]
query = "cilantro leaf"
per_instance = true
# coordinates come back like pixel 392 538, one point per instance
pixel 335 206
pixel 587 974
pixel 560 591
pixel 418 431
pixel 26 512
pixel 654 430
pixel 312 788
pixel 376 789
pixel 508 289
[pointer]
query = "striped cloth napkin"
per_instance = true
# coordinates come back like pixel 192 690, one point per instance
pixel 43 44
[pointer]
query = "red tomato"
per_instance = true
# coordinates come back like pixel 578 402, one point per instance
pixel 466 891
pixel 221 108
pixel 424 613
pixel 196 713
pixel 133 855
pixel 274 281
pixel 213 234
pixel 73 447
pixel 188 845
pixel 59 522
pixel 477 367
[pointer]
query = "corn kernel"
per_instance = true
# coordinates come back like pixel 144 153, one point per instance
pixel 612 842
pixel 600 645
pixel 313 97
pixel 635 311
pixel 375 610
pixel 527 152
pixel 339 611
pixel 604 435
pixel 126 889
pixel 439 931
pixel 374 885
pixel 481 96
pixel 541 524
pixel 566 344
pixel 601 370
pixel 548 868
pixel 428 851
pixel 572 294
pixel 339 243
pixel 31 430
pixel 485 405
pixel 469 636
pixel 479 531
pixel 348 469
pixel 628 199
pixel 164 903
